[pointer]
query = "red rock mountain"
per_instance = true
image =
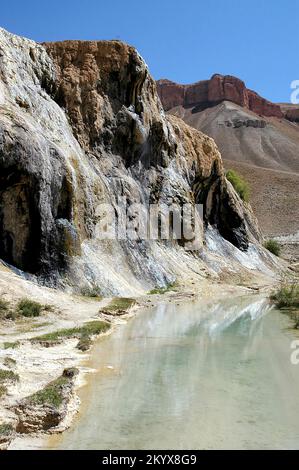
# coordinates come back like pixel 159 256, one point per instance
pixel 208 93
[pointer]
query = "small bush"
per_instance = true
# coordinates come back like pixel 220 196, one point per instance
pixel 239 184
pixel 273 246
pixel 9 362
pixel 29 308
pixel 163 290
pixel 8 376
pixel 93 291
pixel 287 296
pixel 119 305
pixel 3 306
pixel 3 392
pixel 84 342
pixel 5 429
pixel 52 394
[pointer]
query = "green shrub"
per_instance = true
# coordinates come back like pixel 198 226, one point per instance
pixel 239 183
pixel 8 376
pixel 52 394
pixel 273 246
pixel 93 291
pixel 29 308
pixel 287 296
pixel 11 345
pixel 3 306
pixel 9 362
pixel 5 429
pixel 163 290
pixel 119 305
pixel 84 342
pixel 3 392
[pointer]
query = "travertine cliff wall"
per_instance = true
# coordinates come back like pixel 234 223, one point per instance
pixel 81 124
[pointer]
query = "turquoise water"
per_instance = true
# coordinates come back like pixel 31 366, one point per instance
pixel 192 376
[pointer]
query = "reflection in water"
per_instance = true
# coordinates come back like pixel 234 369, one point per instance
pixel 192 376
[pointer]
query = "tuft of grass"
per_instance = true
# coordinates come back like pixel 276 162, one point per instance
pixel 8 376
pixel 9 362
pixel 3 392
pixel 163 290
pixel 52 394
pixel 29 308
pixel 84 342
pixel 287 296
pixel 5 312
pixel 273 246
pixel 14 345
pixel 239 183
pixel 90 329
pixel 5 429
pixel 93 291
pixel 3 306
pixel 119 305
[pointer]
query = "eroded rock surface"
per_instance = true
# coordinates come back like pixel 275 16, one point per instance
pixel 47 408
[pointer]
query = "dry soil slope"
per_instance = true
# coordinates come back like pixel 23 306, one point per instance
pixel 265 151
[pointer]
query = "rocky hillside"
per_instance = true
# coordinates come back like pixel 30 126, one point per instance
pixel 257 138
pixel 81 125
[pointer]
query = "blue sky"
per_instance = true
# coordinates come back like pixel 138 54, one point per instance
pixel 185 41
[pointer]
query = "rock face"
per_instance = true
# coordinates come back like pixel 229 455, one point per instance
pixel 81 125
pixel 291 112
pixel 47 408
pixel 207 93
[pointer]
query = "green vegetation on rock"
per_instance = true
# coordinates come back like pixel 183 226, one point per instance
pixel 9 362
pixel 119 305
pixel 93 292
pixel 89 329
pixel 3 390
pixel 29 308
pixel 3 306
pixel 287 298
pixel 5 429
pixel 52 394
pixel 273 246
pixel 24 308
pixel 8 376
pixel 84 342
pixel 239 183
pixel 162 290
pixel 13 345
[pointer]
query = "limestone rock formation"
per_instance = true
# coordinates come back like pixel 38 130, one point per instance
pixel 81 125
